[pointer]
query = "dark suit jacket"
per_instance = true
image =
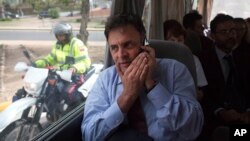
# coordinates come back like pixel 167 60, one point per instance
pixel 214 92
pixel 242 59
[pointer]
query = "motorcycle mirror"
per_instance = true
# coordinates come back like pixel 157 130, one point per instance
pixel 25 51
pixel 26 54
pixel 21 66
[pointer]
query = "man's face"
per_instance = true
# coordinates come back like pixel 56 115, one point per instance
pixel 247 38
pixel 240 31
pixel 61 37
pixel 225 36
pixel 198 27
pixel 124 45
pixel 179 39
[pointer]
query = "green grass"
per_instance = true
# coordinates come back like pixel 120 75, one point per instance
pixel 96 24
pixel 5 20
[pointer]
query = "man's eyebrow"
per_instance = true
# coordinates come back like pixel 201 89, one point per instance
pixel 113 45
pixel 126 42
pixel 123 43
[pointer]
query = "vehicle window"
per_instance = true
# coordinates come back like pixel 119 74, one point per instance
pixel 146 16
pixel 234 8
pixel 24 103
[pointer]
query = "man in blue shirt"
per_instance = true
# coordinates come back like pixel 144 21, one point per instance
pixel 164 87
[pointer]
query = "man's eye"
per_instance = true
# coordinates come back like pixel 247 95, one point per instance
pixel 129 44
pixel 114 48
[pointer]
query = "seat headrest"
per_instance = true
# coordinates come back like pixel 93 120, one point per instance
pixel 177 51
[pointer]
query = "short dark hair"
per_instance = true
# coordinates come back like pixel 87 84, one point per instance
pixel 121 20
pixel 173 27
pixel 190 19
pixel 247 20
pixel 219 18
pixel 239 20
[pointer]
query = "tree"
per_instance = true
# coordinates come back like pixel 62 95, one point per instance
pixel 38 5
pixel 83 35
pixel 69 3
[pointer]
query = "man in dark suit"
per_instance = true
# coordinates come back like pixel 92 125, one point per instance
pixel 195 28
pixel 225 97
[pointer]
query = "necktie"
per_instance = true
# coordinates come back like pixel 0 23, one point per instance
pixel 231 72
pixel 233 96
pixel 136 117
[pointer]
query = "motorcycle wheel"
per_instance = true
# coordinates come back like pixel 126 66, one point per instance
pixel 20 130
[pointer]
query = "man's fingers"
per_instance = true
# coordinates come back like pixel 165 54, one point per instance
pixel 135 69
pixel 149 50
pixel 119 69
pixel 144 73
pixel 141 66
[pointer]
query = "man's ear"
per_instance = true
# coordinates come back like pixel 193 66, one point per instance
pixel 212 36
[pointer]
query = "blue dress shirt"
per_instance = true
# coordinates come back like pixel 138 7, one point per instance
pixel 171 109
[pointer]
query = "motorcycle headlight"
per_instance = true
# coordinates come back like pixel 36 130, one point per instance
pixel 30 87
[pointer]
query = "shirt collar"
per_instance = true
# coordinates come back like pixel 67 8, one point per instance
pixel 221 53
pixel 119 80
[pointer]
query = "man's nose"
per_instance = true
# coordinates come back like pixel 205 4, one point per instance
pixel 232 34
pixel 121 52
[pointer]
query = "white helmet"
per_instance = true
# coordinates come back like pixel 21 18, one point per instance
pixel 62 29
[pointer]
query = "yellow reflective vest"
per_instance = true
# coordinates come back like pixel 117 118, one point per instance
pixel 74 49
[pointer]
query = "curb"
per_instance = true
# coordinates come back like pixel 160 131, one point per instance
pixel 4 105
pixel 2 62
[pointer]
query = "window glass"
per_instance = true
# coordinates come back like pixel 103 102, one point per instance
pixel 146 16
pixel 239 8
pixel 28 27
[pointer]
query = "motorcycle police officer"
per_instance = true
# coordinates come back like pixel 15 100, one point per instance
pixel 66 47
pixel 68 53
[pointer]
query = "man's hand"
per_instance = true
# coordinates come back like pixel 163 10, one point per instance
pixel 229 115
pixel 150 82
pixel 133 80
pixel 245 117
pixel 72 69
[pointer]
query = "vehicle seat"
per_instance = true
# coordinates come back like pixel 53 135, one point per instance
pixel 177 51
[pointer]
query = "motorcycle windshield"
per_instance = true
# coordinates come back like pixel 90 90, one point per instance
pixel 34 79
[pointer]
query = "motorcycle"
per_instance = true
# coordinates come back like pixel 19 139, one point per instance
pixel 24 118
